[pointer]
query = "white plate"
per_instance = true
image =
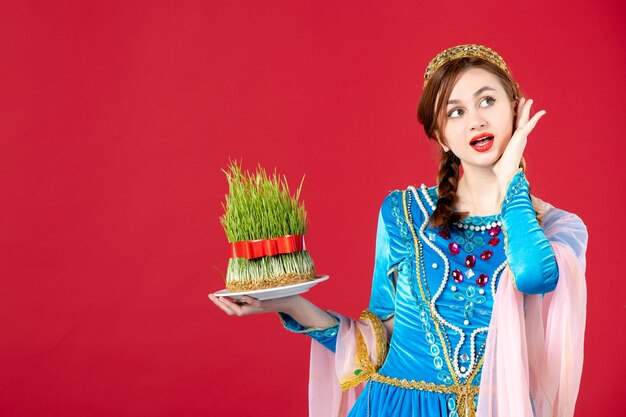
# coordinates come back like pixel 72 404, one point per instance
pixel 277 292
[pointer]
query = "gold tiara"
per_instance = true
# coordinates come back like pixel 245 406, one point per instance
pixel 463 51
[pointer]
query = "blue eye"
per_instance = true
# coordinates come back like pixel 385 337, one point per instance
pixel 487 101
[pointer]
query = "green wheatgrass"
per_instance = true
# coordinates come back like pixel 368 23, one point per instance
pixel 260 206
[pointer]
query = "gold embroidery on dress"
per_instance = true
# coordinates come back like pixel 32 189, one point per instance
pixel 419 283
pixel 464 393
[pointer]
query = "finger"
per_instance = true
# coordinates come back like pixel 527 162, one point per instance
pixel 236 301
pixel 252 306
pixel 520 106
pixel 526 112
pixel 231 302
pixel 222 306
pixel 234 307
pixel 253 302
pixel 528 127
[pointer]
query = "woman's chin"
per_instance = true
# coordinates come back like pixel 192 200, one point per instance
pixel 487 161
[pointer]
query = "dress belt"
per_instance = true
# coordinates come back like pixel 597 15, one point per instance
pixel 464 393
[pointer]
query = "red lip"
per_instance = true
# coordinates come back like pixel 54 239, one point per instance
pixel 479 144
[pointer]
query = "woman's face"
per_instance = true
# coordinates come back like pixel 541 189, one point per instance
pixel 478 119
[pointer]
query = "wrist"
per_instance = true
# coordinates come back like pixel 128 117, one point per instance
pixel 513 185
pixel 287 305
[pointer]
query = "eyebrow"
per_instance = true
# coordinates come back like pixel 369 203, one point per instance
pixel 477 93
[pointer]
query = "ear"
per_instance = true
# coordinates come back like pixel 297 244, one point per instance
pixel 515 105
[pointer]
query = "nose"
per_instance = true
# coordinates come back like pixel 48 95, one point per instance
pixel 477 121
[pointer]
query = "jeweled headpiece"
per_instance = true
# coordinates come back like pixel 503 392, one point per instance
pixel 463 51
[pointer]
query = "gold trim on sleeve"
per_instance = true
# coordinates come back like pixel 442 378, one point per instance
pixel 365 367
pixel 381 336
pixel 364 370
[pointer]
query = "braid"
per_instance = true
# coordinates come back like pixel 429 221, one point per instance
pixel 448 181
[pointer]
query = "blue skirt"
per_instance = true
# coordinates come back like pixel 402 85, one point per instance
pixel 385 400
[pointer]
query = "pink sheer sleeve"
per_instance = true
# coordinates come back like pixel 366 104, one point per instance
pixel 337 379
pixel 534 353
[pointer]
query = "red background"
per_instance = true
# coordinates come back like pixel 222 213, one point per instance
pixel 117 117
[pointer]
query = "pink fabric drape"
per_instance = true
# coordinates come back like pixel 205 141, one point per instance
pixel 534 353
pixel 327 369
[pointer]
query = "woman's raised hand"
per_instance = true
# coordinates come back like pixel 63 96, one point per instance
pixel 508 164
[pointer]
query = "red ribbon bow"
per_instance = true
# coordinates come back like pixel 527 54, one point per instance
pixel 251 249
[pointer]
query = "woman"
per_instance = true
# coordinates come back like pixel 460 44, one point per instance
pixel 481 285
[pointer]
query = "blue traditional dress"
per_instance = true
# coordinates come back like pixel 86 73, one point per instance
pixel 439 285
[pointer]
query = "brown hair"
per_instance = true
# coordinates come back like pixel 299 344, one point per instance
pixel 431 114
